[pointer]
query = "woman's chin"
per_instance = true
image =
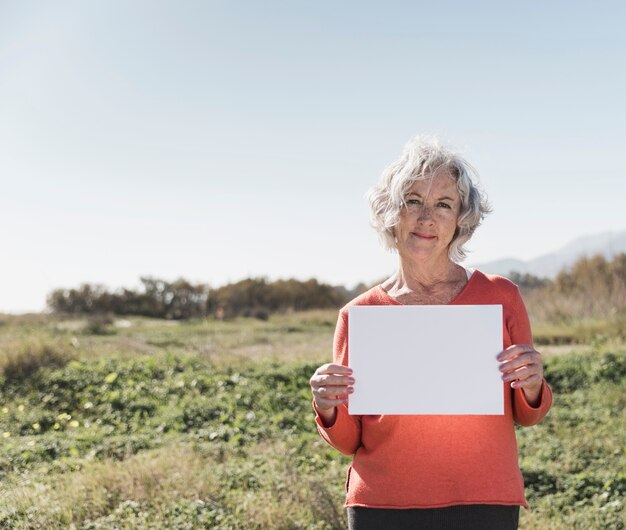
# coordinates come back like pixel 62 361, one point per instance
pixel 421 255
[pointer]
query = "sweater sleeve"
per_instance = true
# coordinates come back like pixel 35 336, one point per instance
pixel 519 330
pixel 345 433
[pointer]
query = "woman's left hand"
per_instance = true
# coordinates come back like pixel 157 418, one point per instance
pixel 521 365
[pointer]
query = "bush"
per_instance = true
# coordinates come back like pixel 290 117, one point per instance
pixel 157 298
pixel 576 371
pixel 612 368
pixel 99 325
pixel 21 360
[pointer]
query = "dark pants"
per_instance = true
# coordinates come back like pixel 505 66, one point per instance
pixel 461 517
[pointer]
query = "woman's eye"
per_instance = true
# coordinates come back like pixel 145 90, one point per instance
pixel 413 201
pixel 443 205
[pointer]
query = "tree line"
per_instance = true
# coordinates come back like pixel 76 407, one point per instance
pixel 181 299
pixel 592 287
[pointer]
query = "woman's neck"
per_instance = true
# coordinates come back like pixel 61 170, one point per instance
pixel 424 283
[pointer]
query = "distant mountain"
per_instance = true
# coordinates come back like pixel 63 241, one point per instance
pixel 549 265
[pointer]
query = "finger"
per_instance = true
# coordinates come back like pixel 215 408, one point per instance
pixel 533 357
pixel 534 380
pixel 525 359
pixel 330 397
pixel 325 404
pixel 513 351
pixel 331 391
pixel 522 373
pixel 330 380
pixel 332 368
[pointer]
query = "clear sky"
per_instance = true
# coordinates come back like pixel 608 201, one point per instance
pixel 217 140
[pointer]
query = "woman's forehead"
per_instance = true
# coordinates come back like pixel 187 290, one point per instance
pixel 441 182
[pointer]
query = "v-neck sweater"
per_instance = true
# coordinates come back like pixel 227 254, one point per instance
pixel 431 461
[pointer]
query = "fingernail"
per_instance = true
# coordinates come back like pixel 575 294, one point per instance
pixel 350 390
pixel 351 380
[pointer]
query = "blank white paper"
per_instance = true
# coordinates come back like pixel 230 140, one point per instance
pixel 419 359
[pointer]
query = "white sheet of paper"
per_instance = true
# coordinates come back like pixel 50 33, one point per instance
pixel 444 359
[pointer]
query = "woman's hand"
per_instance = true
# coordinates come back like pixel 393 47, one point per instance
pixel 521 364
pixel 331 384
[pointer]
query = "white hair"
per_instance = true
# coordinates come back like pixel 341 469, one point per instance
pixel 421 159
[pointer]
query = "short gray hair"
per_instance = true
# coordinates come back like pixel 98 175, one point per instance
pixel 422 158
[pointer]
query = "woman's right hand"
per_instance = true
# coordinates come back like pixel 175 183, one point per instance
pixel 331 384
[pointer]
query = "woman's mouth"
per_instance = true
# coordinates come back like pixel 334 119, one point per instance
pixel 422 236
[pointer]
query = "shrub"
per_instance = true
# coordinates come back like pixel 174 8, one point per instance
pixel 612 368
pixel 99 324
pixel 21 360
pixel 575 371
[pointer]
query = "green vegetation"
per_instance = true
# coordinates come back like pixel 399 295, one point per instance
pixel 146 423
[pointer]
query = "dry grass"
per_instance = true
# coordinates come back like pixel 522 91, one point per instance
pixel 159 478
pixel 287 499
pixel 154 477
pixel 22 358
pixel 592 291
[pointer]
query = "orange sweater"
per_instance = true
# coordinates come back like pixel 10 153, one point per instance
pixel 430 461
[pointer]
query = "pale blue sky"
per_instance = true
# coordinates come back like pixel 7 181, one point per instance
pixel 219 140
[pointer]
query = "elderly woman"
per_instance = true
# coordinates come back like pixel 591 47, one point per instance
pixel 432 471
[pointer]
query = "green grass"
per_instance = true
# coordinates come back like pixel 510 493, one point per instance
pixel 209 425
pixel 587 331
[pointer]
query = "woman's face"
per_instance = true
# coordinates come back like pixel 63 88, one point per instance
pixel 429 219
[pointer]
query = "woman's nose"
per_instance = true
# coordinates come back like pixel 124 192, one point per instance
pixel 425 213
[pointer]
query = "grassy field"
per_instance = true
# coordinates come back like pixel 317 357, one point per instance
pixel 203 424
